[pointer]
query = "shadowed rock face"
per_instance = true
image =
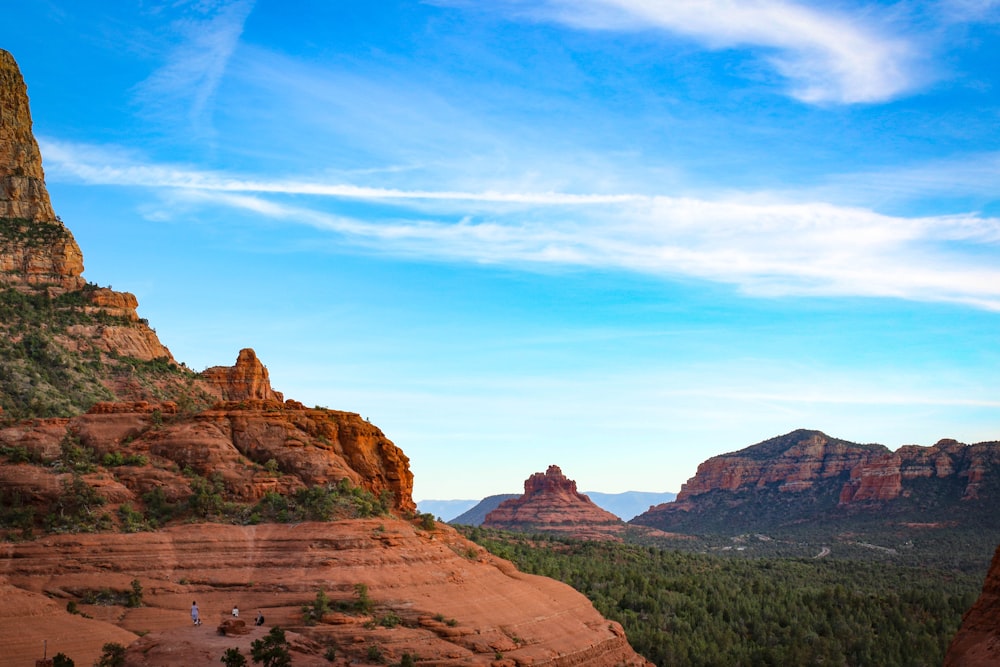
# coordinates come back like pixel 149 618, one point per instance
pixel 552 504
pixel 977 642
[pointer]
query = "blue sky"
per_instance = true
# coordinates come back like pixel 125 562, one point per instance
pixel 619 236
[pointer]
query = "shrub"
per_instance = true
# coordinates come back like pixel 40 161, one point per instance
pixel 375 653
pixel 272 649
pixel 364 603
pixel 233 658
pixel 113 656
pixel 62 660
pixel 313 613
pixel 131 520
pixel 427 521
pixel 135 595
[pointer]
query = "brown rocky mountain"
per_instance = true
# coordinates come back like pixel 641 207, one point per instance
pixel 805 480
pixel 131 486
pixel 977 643
pixel 551 504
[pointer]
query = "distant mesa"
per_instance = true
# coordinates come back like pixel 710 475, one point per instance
pixel 808 476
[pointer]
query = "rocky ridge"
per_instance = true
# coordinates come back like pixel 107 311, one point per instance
pixel 551 504
pixel 807 474
pixel 130 461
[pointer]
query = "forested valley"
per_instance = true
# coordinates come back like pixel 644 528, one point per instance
pixel 713 610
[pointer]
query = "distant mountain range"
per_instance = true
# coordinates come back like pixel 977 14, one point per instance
pixel 472 512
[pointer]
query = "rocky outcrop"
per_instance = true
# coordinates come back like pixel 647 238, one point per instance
pixel 64 343
pixel 807 474
pixel 977 642
pixel 246 381
pixel 792 463
pixel 890 476
pixel 451 602
pixel 253 448
pixel 552 504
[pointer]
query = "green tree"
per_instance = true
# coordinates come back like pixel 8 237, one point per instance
pixel 233 658
pixel 272 649
pixel 62 660
pixel 135 595
pixel 113 656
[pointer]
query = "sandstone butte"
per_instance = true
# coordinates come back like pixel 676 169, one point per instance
pixel 551 504
pixel 434 594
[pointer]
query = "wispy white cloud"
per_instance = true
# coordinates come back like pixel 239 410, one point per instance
pixel 765 246
pixel 828 56
pixel 209 34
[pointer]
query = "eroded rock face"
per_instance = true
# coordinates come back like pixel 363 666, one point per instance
pixel 552 504
pixel 831 475
pixel 456 603
pixel 247 380
pixel 254 447
pixel 977 642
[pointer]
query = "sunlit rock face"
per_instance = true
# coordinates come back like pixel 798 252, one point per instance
pixel 552 504
pixel 456 604
pixel 35 247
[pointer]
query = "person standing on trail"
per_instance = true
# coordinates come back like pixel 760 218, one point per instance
pixel 195 616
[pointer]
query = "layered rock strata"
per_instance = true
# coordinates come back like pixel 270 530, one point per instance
pixel 452 603
pixel 831 475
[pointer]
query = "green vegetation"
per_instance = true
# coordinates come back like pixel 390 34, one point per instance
pixel 313 613
pixel 41 375
pixel 322 503
pixel 62 660
pixel 375 653
pixel 695 609
pixel 134 595
pixel 233 658
pixel 113 656
pixel 271 650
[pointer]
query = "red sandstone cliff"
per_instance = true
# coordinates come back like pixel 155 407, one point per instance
pixel 552 504
pixel 452 602
pixel 807 474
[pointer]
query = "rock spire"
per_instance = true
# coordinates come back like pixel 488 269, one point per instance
pixel 35 247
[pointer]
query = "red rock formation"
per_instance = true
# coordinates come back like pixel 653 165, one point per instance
pixel 977 642
pixel 810 464
pixel 457 604
pixel 552 504
pixel 794 462
pixel 247 380
pixel 234 441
